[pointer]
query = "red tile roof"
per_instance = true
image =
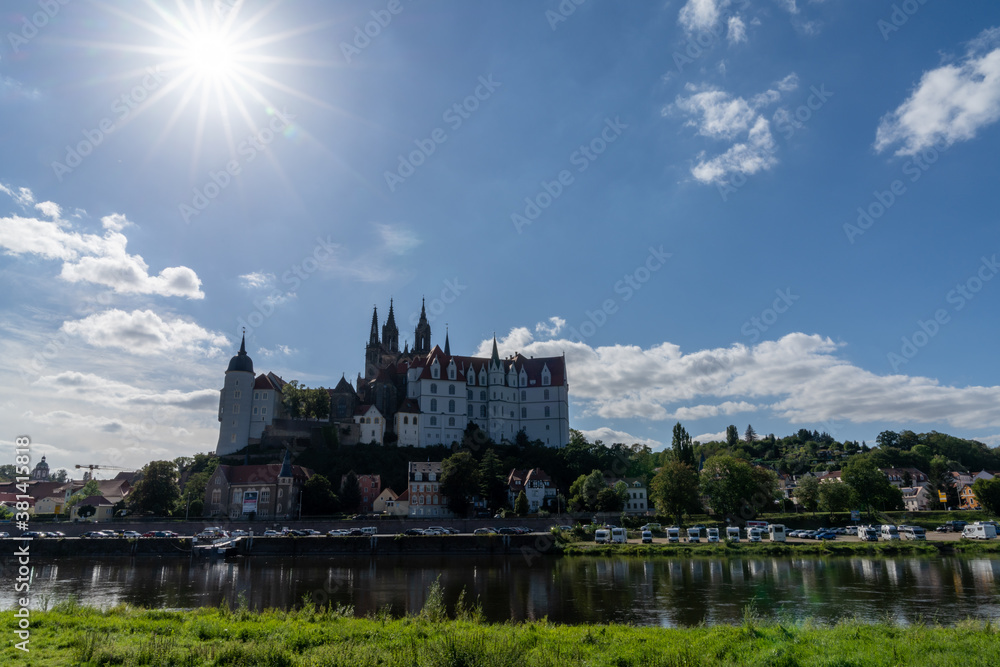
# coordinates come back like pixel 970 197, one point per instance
pixel 261 474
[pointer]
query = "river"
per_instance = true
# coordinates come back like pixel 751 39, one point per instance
pixel 664 592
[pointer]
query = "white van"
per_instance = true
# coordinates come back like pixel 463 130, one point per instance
pixel 369 530
pixel 753 534
pixel 912 533
pixel 713 534
pixel 980 531
pixel 647 537
pixel 602 536
pixel 673 534
pixel 619 536
pixel 733 533
pixel 776 532
pixel 694 535
pixel 867 534
pixel 889 533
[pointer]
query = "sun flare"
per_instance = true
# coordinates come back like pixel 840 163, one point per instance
pixel 210 56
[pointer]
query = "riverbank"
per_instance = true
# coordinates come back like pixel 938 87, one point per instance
pixel 72 635
pixel 819 548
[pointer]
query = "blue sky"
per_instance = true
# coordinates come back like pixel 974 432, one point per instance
pixel 769 212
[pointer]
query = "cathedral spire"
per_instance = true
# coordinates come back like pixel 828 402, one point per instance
pixel 390 333
pixel 447 345
pixel 373 338
pixel 495 357
pixel 243 343
pixel 422 333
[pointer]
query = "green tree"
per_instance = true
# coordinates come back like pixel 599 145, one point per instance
pixel 61 475
pixel 584 492
pixel 91 488
pixel 521 504
pixel 681 443
pixel 459 481
pixel 86 511
pixel 609 500
pixel 492 481
pixel 737 489
pixel 350 492
pixel 887 439
pixel 318 497
pixel 871 487
pixel 157 492
pixel 675 490
pixel 988 494
pixel 834 497
pixel 749 436
pixel 807 492
pixel 732 436
pixel 302 402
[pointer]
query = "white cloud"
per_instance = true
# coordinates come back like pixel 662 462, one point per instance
pixel 115 222
pixel 737 32
pixel 12 88
pixel 698 15
pixel 789 6
pixel 718 115
pixel 551 327
pixel 102 260
pixel 22 196
pixel 710 437
pixel 257 280
pixel 799 378
pixel 398 240
pixel 145 332
pixel 610 436
pixel 49 209
pixel 950 104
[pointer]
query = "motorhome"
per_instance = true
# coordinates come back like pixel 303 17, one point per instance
pixel 602 536
pixel 912 533
pixel 867 534
pixel 647 537
pixel 979 531
pixel 753 534
pixel 776 532
pixel 673 534
pixel 619 536
pixel 889 533
pixel 694 534
pixel 713 534
pixel 733 534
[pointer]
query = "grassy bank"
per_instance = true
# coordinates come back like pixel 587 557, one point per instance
pixel 819 548
pixel 69 635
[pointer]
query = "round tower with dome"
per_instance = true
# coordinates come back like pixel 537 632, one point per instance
pixel 41 471
pixel 235 402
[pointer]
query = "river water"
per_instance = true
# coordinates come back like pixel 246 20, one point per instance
pixel 661 592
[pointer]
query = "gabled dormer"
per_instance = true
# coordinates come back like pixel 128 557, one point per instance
pixel 546 376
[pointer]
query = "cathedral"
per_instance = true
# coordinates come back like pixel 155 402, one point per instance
pixel 417 396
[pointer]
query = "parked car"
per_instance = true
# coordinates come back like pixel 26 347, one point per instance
pixel 826 535
pixel 651 527
pixel 274 533
pixel 4 533
pixel 34 534
pixel 507 530
pixel 131 534
pixel 484 531
pixel 413 531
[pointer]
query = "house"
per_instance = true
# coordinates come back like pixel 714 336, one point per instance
pixel 426 499
pixel 400 506
pixel 407 427
pixel 104 509
pixel 379 505
pixel 637 500
pixel 900 477
pixel 370 423
pixel 916 498
pixel 537 486
pixel 370 487
pixel 967 499
pixel 270 491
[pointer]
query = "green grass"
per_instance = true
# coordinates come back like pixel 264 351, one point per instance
pixel 69 635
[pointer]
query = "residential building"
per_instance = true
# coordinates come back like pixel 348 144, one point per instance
pixel 104 509
pixel 426 499
pixel 916 498
pixel 400 506
pixel 380 504
pixel 637 500
pixel 370 487
pixel 967 499
pixel 269 491
pixel 370 423
pixel 538 488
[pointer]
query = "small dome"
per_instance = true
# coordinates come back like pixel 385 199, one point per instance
pixel 241 362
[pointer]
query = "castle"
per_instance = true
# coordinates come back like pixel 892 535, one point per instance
pixel 415 397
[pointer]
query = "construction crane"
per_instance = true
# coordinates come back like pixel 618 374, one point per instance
pixel 93 466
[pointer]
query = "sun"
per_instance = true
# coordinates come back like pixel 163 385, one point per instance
pixel 210 56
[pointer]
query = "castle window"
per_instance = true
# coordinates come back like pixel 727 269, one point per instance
pixel 451 390
pixel 434 405
pixel 256 395
pixel 406 420
pixel 546 394
pixel 236 408
pixel 236 394
pixel 265 496
pixel 434 421
pixel 281 492
pixel 524 413
pixel 546 379
pixel 470 412
pixel 376 420
pixel 451 371
pixel 434 388
pixel 524 395
pixel 436 371
pixel 468 395
pixel 548 411
pixel 414 420
pixel 263 411
pixel 451 421
pixel 471 378
pixel 482 411
pixel 482 396
pixel 263 395
pixel 255 410
pixel 232 438
pixel 451 406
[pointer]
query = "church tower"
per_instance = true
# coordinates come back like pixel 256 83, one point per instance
pixel 235 402
pixel 390 334
pixel 373 350
pixel 422 334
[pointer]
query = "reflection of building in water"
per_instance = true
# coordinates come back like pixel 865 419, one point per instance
pixel 869 570
pixel 984 572
pixel 895 570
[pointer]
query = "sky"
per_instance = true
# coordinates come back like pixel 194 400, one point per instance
pixel 770 212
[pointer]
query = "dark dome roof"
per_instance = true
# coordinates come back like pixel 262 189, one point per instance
pixel 241 362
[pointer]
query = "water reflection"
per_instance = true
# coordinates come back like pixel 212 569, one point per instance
pixel 659 592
